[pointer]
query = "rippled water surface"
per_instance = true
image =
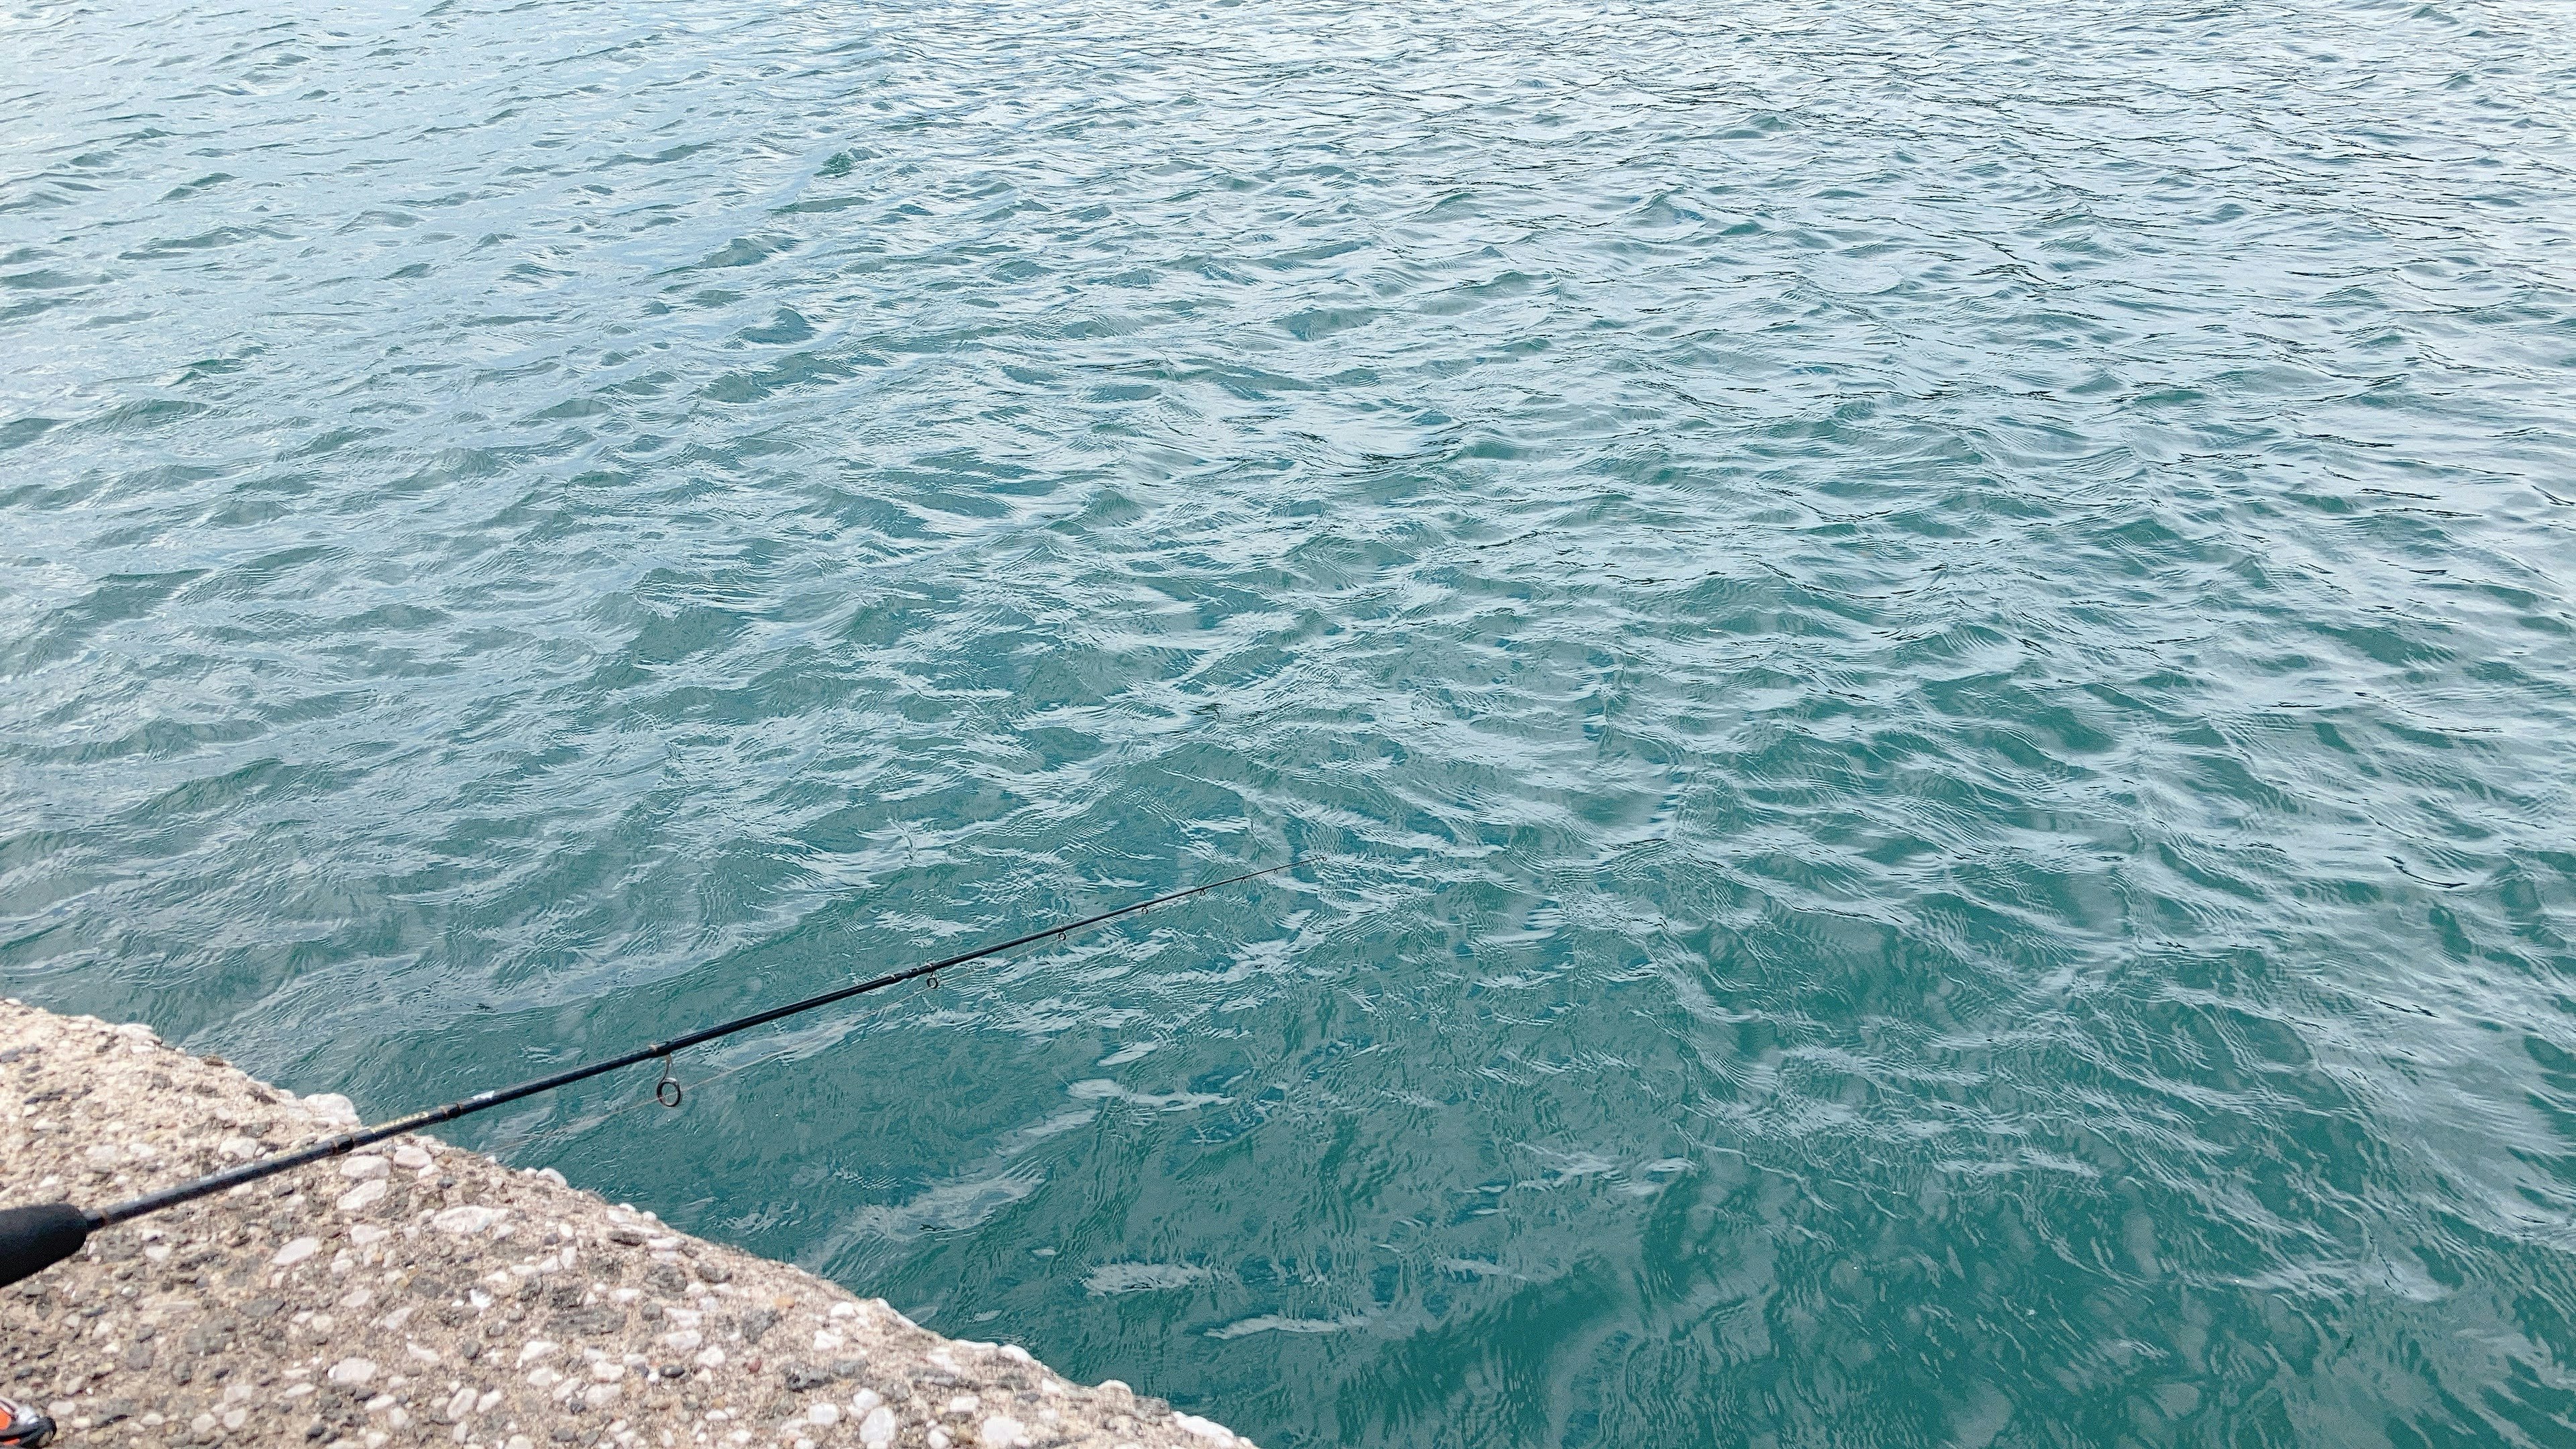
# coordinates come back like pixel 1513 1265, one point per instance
pixel 1933 640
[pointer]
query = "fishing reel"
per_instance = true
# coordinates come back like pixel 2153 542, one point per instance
pixel 21 1427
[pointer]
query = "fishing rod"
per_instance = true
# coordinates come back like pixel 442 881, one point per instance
pixel 35 1238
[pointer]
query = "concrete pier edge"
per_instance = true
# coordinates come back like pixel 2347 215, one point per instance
pixel 421 1294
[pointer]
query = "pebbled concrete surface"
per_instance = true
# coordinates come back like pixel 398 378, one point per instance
pixel 420 1294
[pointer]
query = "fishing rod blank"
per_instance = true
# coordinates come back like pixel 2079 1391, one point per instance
pixel 35 1238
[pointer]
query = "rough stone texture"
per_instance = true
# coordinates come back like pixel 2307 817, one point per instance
pixel 421 1294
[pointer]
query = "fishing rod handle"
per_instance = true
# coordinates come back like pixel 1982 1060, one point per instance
pixel 33 1239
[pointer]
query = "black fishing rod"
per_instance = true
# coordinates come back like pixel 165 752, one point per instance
pixel 35 1238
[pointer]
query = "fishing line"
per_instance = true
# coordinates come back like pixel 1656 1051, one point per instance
pixel 34 1238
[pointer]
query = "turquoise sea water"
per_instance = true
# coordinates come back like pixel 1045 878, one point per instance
pixel 1937 643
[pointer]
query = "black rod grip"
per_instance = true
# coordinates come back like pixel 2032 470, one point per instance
pixel 33 1239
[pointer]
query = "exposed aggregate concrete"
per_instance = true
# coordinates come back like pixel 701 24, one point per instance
pixel 420 1294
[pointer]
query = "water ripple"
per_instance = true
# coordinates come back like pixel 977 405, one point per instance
pixel 1936 642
